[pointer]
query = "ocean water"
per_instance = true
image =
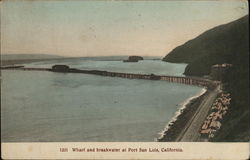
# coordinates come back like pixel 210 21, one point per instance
pixel 142 67
pixel 66 107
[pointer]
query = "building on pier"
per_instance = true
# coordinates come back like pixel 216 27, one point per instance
pixel 219 70
pixel 60 68
pixel 154 77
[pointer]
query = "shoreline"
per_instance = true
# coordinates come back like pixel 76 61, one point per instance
pixel 182 116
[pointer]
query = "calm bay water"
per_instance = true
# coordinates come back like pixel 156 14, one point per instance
pixel 142 67
pixel 46 106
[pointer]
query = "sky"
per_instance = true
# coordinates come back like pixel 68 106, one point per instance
pixel 109 27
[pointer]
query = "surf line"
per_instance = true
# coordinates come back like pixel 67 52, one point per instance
pixel 178 113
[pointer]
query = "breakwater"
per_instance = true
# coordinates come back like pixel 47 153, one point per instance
pixel 174 79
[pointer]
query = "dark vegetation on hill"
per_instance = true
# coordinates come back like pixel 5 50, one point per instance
pixel 218 45
pixel 227 43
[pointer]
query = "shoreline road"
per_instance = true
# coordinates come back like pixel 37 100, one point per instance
pixel 190 132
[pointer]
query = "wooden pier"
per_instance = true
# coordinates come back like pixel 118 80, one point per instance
pixel 174 79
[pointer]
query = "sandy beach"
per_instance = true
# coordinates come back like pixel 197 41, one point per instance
pixel 186 127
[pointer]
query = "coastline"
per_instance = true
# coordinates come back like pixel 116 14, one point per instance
pixel 187 110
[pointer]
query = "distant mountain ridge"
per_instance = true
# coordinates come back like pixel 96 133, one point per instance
pixel 221 44
pixel 51 56
pixel 28 56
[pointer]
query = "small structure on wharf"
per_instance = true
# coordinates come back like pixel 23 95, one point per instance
pixel 60 68
pixel 154 77
pixel 133 59
pixel 219 70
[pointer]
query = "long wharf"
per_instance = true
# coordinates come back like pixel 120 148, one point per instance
pixel 175 79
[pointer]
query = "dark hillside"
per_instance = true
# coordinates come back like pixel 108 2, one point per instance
pixel 218 45
pixel 227 43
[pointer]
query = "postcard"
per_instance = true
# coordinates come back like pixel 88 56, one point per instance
pixel 124 79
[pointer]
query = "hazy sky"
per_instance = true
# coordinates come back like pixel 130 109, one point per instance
pixel 93 28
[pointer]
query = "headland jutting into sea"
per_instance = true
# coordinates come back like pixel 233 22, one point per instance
pixel 185 116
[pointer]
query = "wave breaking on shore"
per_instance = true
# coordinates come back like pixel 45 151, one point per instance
pixel 179 112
